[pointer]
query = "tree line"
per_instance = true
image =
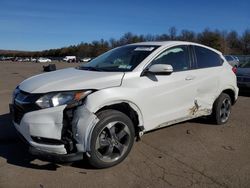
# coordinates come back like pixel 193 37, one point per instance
pixel 227 42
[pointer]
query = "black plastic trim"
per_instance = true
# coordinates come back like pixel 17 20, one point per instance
pixel 192 57
pixel 54 157
pixel 47 141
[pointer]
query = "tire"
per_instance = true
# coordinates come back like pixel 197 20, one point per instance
pixel 222 109
pixel 111 139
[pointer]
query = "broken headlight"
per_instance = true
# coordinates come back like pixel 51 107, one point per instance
pixel 70 98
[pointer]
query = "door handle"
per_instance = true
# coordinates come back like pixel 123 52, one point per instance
pixel 190 78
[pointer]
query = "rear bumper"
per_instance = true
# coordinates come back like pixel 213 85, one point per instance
pixel 53 157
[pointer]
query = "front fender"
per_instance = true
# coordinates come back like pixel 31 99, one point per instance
pixel 85 119
pixel 111 96
pixel 83 124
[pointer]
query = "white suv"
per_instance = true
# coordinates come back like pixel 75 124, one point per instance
pixel 99 108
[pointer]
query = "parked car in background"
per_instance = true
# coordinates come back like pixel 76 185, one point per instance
pixel 33 59
pixel 43 60
pixel 243 76
pixel 100 107
pixel 19 59
pixel 26 59
pixel 232 60
pixel 237 59
pixel 70 59
pixel 7 58
pixel 86 60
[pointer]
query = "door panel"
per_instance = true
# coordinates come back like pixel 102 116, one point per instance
pixel 165 98
pixel 169 98
pixel 207 87
pixel 209 67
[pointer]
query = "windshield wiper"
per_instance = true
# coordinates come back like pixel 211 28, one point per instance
pixel 90 68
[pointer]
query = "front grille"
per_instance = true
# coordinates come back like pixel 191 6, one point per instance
pixel 23 102
pixel 18 114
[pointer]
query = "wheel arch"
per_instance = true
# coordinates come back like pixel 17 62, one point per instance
pixel 128 108
pixel 231 94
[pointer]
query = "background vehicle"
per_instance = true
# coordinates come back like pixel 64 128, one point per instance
pixel 6 58
pixel 100 107
pixel 70 59
pixel 86 60
pixel 243 76
pixel 232 60
pixel 33 59
pixel 43 60
pixel 237 59
pixel 26 59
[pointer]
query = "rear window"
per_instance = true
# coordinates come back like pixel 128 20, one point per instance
pixel 206 58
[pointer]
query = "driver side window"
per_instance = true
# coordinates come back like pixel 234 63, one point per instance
pixel 176 56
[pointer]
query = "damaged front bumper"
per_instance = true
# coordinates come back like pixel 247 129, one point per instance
pixel 57 133
pixel 61 158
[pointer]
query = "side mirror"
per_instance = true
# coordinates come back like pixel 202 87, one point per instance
pixel 160 69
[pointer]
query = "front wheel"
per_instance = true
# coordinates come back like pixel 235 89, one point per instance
pixel 111 139
pixel 222 109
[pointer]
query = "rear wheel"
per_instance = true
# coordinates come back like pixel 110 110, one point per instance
pixel 111 140
pixel 222 109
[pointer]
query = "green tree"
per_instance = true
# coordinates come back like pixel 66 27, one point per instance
pixel 210 38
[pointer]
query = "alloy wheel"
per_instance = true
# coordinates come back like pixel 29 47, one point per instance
pixel 113 141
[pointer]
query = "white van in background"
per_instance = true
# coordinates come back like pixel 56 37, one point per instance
pixel 70 59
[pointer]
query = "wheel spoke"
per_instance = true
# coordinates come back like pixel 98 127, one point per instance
pixel 222 111
pixel 112 131
pixel 228 105
pixel 104 142
pixel 225 110
pixel 109 151
pixel 121 134
pixel 120 147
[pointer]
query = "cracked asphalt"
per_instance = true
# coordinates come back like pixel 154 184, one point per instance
pixel 195 153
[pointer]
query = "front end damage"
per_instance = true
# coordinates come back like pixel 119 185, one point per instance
pixel 58 134
pixel 83 123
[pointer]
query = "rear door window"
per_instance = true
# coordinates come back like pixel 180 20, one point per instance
pixel 207 58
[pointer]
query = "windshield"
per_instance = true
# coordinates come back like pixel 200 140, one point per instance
pixel 122 59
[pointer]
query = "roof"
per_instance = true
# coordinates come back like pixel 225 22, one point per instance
pixel 170 43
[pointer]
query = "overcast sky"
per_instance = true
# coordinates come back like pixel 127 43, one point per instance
pixel 45 24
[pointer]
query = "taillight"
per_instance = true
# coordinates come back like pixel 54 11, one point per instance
pixel 234 69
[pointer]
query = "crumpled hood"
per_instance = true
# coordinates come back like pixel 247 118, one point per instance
pixel 71 79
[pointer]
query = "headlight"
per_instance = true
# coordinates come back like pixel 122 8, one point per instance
pixel 62 98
